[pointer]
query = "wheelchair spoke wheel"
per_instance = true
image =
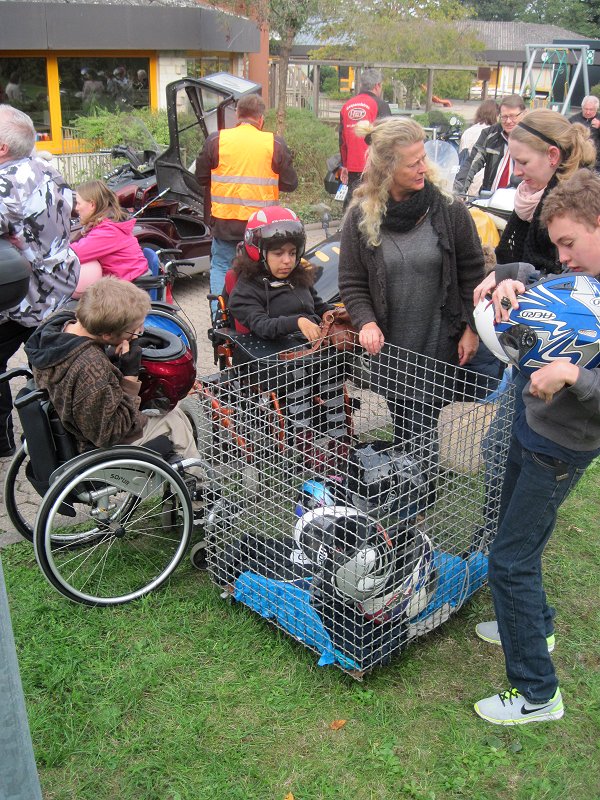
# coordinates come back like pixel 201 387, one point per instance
pixel 132 526
pixel 20 498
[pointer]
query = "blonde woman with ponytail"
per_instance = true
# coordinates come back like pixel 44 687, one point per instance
pixel 410 259
pixel 546 149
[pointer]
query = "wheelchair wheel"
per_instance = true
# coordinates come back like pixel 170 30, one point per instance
pixel 22 503
pixel 132 526
pixel 16 484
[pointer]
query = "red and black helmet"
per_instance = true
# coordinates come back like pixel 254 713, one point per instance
pixel 271 227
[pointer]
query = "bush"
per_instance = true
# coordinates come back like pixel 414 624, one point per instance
pixel 106 129
pixel 437 118
pixel 311 142
pixel 595 90
pixel 455 84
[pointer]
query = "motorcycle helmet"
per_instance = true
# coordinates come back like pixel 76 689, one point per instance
pixel 386 579
pixel 485 323
pixel 556 319
pixel 15 273
pixel 383 481
pixel 321 532
pixel 167 371
pixel 317 494
pixel 270 227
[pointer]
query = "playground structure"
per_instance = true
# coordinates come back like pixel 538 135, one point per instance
pixel 558 59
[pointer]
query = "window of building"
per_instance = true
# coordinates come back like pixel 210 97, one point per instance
pixel 24 84
pixel 91 82
pixel 198 67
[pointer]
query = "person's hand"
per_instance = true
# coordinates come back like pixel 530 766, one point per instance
pixel 130 360
pixel 551 378
pixel 467 346
pixel 309 329
pixel 485 287
pixel 371 338
pixel 505 299
pixel 344 176
pixel 595 123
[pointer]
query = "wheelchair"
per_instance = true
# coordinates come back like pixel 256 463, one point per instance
pixel 111 525
pixel 270 391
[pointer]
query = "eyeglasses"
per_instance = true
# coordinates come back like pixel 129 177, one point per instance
pixel 510 117
pixel 135 334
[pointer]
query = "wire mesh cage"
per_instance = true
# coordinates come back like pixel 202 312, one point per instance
pixel 357 494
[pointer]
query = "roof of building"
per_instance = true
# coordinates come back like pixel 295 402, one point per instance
pixel 178 25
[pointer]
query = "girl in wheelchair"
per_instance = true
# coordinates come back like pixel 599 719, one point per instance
pixel 89 366
pixel 107 246
pixel 274 294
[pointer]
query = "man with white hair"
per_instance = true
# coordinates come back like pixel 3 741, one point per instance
pixel 590 117
pixel 35 216
pixel 367 105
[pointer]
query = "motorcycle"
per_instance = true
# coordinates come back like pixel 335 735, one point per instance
pixel 158 185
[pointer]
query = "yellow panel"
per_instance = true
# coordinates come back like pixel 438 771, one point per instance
pixel 336 249
pixel 321 255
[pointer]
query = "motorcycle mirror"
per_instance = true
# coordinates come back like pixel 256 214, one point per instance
pixel 454 120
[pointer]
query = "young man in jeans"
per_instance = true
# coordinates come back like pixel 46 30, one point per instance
pixel 556 435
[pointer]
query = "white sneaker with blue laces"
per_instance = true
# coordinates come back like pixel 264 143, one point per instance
pixel 511 708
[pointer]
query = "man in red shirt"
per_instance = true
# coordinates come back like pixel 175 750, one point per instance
pixel 367 105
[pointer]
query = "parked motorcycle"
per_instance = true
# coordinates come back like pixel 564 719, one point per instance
pixel 158 184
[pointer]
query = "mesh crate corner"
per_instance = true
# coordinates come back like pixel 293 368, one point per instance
pixel 356 496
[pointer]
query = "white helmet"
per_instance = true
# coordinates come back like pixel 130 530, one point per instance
pixel 486 328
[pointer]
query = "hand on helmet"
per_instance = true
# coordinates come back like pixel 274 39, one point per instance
pixel 371 338
pixel 505 298
pixel 485 287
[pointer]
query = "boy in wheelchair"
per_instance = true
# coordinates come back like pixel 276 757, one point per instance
pixel 89 366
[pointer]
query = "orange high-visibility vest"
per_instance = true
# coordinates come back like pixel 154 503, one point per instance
pixel 244 181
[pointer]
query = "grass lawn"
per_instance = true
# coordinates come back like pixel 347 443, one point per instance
pixel 185 697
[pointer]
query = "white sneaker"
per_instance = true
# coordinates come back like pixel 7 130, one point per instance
pixel 511 708
pixel 488 631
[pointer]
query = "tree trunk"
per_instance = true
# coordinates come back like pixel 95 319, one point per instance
pixel 284 60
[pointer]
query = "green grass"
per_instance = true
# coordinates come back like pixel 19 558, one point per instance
pixel 182 696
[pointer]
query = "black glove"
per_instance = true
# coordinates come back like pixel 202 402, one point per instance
pixel 130 362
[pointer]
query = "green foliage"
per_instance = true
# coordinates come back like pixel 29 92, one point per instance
pixel 438 118
pixel 595 90
pixel 452 84
pixel 106 128
pixel 311 142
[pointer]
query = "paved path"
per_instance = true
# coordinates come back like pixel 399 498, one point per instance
pixel 190 294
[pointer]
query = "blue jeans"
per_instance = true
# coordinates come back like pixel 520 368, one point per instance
pixel 222 254
pixel 535 486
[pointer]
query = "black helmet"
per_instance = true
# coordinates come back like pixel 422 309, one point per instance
pixel 383 481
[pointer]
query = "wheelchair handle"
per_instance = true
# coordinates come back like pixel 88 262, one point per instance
pixel 16 372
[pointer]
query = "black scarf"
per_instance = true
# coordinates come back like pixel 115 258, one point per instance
pixel 403 215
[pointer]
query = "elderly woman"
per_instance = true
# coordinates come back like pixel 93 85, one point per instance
pixel 410 259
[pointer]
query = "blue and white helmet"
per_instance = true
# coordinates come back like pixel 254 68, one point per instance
pixel 318 493
pixel 556 319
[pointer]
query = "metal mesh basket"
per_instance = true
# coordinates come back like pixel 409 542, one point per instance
pixel 356 495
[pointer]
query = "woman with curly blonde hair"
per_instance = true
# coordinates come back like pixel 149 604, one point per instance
pixel 410 259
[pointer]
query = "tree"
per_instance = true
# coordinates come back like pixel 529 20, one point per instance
pixel 401 30
pixel 285 19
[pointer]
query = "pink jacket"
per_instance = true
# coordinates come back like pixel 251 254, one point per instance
pixel 115 247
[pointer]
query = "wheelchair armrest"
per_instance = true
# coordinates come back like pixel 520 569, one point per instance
pixel 30 397
pixel 150 281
